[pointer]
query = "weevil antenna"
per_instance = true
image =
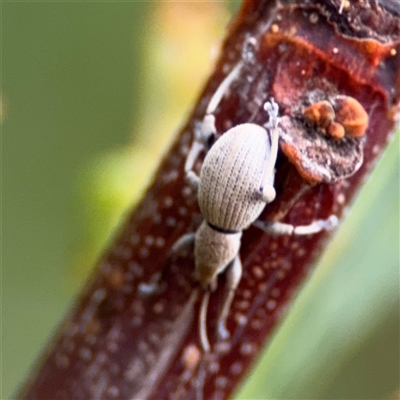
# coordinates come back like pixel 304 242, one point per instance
pixel 205 344
pixel 201 377
pixel 272 108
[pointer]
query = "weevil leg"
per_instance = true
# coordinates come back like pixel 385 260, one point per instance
pixel 148 289
pixel 207 129
pixel 191 177
pixel 202 137
pixel 205 344
pixel 185 241
pixel 233 276
pixel 280 228
pixel 219 93
pixel 317 226
pixel 151 287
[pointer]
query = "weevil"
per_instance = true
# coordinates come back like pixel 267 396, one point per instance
pixel 235 184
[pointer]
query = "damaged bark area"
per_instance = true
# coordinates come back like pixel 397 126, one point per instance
pixel 325 62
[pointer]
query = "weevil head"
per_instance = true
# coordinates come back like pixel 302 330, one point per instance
pixel 213 252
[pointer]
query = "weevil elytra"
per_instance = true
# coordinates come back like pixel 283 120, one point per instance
pixel 235 184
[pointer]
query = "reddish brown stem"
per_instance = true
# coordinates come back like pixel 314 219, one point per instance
pixel 121 342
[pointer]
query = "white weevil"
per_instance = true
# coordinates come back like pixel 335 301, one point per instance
pixel 235 183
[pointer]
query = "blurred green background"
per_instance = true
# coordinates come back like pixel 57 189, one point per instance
pixel 91 94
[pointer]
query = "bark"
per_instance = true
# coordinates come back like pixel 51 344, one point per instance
pixel 119 342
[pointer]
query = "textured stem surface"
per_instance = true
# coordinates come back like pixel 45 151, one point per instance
pixel 124 342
